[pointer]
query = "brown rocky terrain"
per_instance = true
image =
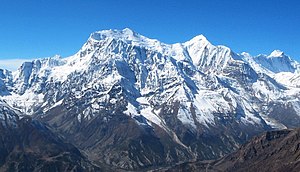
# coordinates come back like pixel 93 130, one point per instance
pixel 29 145
pixel 272 151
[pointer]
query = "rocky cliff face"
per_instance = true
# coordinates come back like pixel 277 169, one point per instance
pixel 28 145
pixel 271 151
pixel 132 102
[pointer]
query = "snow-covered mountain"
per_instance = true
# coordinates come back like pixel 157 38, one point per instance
pixel 277 62
pixel 199 99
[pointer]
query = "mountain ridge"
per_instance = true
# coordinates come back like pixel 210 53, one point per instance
pixel 29 145
pixel 273 150
pixel 193 99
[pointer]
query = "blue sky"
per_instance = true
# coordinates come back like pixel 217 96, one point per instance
pixel 42 28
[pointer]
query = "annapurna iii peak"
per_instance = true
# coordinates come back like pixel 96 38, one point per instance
pixel 176 102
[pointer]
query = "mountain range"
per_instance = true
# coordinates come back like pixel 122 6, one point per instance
pixel 128 102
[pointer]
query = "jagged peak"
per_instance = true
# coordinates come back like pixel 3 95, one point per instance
pixel 199 39
pixel 126 33
pixel 4 72
pixel 132 36
pixel 52 58
pixel 277 53
pixel 128 36
pixel 49 61
pixel 274 54
pixel 245 54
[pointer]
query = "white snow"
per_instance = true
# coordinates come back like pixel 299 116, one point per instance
pixel 146 111
pixel 185 115
pixel 276 53
pixel 142 101
pixel 155 73
pixel 24 102
pixel 131 110
pixel 149 114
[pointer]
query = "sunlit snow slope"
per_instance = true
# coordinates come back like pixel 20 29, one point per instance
pixel 185 89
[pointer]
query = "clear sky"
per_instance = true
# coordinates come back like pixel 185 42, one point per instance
pixel 42 28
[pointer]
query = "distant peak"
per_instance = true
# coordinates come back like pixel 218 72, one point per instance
pixel 128 31
pixel 276 53
pixel 127 36
pixel 57 56
pixel 246 54
pixel 199 40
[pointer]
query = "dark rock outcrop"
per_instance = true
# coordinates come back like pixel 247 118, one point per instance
pixel 28 145
pixel 273 151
